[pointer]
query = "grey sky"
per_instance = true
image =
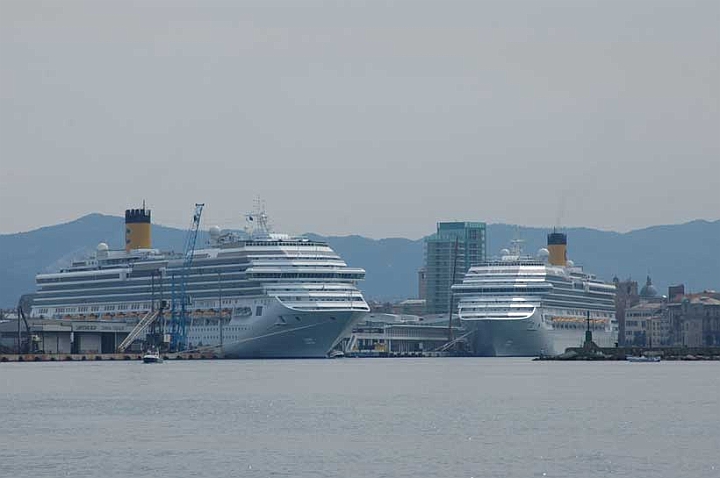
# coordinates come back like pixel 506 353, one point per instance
pixel 374 118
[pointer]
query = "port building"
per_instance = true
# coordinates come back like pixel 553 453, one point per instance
pixel 383 334
pixel 51 336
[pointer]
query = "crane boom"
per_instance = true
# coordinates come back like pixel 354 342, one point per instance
pixel 180 299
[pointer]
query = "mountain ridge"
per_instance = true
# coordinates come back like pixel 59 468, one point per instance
pixel 686 253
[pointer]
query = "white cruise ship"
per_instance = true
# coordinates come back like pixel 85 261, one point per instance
pixel 257 294
pixel 519 305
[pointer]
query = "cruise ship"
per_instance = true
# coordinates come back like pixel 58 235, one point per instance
pixel 256 294
pixel 518 305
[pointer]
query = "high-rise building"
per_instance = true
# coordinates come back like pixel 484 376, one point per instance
pixel 440 259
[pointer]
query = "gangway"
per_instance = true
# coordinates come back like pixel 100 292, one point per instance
pixel 351 344
pixel 139 328
pixel 452 343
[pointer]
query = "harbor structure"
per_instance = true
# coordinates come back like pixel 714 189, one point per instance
pixel 383 334
pixel 51 336
pixel 456 246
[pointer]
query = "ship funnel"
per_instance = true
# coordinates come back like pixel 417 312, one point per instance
pixel 557 245
pixel 137 229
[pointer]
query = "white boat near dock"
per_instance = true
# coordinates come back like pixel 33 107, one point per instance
pixel 152 356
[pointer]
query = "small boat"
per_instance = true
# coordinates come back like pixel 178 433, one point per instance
pixel 642 358
pixel 152 356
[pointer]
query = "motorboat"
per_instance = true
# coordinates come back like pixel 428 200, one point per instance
pixel 152 356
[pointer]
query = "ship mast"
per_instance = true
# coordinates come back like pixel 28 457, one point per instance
pixel 516 247
pixel 516 244
pixel 258 223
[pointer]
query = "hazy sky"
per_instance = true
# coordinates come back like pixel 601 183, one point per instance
pixel 368 117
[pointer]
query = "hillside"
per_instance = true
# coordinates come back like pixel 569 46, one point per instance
pixel 685 253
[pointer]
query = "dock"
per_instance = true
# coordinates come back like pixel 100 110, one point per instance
pixel 4 358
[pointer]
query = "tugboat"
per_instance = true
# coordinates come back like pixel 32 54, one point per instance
pixel 152 356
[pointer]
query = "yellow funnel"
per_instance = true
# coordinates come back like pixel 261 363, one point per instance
pixel 557 245
pixel 137 229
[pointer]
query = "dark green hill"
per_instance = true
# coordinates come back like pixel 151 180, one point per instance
pixel 685 253
pixel 47 249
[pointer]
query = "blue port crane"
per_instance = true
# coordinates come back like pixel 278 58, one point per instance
pixel 180 298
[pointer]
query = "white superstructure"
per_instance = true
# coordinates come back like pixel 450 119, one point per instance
pixel 257 294
pixel 525 306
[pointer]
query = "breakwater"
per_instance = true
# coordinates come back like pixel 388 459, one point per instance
pixel 622 353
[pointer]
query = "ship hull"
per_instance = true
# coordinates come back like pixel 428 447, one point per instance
pixel 528 337
pixel 283 332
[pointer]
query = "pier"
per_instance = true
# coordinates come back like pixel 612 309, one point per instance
pixel 190 355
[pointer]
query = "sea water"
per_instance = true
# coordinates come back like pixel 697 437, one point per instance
pixel 464 417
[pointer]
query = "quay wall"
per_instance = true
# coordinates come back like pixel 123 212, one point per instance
pixel 4 358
